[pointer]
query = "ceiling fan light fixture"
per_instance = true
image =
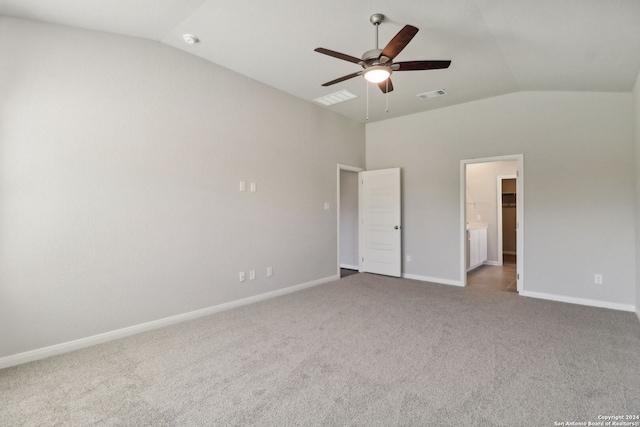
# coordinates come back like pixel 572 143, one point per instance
pixel 377 73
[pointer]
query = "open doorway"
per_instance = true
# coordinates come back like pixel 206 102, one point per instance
pixel 491 223
pixel 348 214
pixel 368 217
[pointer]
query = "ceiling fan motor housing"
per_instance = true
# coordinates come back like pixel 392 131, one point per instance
pixel 372 58
pixel 371 54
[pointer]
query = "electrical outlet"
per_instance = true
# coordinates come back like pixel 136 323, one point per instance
pixel 241 276
pixel 252 275
pixel 408 258
pixel 269 271
pixel 243 186
pixel 597 279
pixel 253 187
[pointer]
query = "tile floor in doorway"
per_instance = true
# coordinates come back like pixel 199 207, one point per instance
pixel 344 272
pixel 494 278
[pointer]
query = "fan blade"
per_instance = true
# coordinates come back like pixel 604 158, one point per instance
pixel 384 87
pixel 343 78
pixel 338 55
pixel 399 42
pixel 420 65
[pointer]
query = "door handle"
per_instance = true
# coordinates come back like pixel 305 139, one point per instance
pixel 396 227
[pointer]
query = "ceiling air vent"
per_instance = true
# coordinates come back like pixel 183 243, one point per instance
pixel 432 94
pixel 334 98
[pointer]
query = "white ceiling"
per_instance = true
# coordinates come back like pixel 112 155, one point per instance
pixel 496 46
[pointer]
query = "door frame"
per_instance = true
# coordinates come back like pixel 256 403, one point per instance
pixel 519 158
pixel 499 205
pixel 355 169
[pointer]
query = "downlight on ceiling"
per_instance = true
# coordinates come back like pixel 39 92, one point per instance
pixel 190 39
pixel 334 98
pixel 432 94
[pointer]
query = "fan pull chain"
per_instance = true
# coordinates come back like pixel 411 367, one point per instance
pixel 367 84
pixel 386 97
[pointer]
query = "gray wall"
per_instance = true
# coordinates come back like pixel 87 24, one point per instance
pixel 349 218
pixel 120 162
pixel 579 178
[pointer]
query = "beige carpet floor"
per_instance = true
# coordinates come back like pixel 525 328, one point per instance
pixel 364 350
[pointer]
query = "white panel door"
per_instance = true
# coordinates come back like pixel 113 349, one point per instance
pixel 380 231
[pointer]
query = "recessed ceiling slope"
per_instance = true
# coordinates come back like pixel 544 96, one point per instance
pixel 150 19
pixel 496 46
pixel 572 45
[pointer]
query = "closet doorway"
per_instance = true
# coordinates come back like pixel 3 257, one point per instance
pixel 348 215
pixel 507 219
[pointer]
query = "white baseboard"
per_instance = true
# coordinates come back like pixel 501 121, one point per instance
pixel 432 279
pixel 350 267
pixel 41 353
pixel 496 263
pixel 580 301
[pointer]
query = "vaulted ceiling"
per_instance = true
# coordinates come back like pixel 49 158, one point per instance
pixel 496 46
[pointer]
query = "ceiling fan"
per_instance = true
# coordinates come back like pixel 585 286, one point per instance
pixel 378 64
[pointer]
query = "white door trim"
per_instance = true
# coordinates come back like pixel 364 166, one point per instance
pixel 499 206
pixel 519 158
pixel 342 167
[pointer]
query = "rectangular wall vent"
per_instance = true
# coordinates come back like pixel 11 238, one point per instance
pixel 334 98
pixel 432 94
